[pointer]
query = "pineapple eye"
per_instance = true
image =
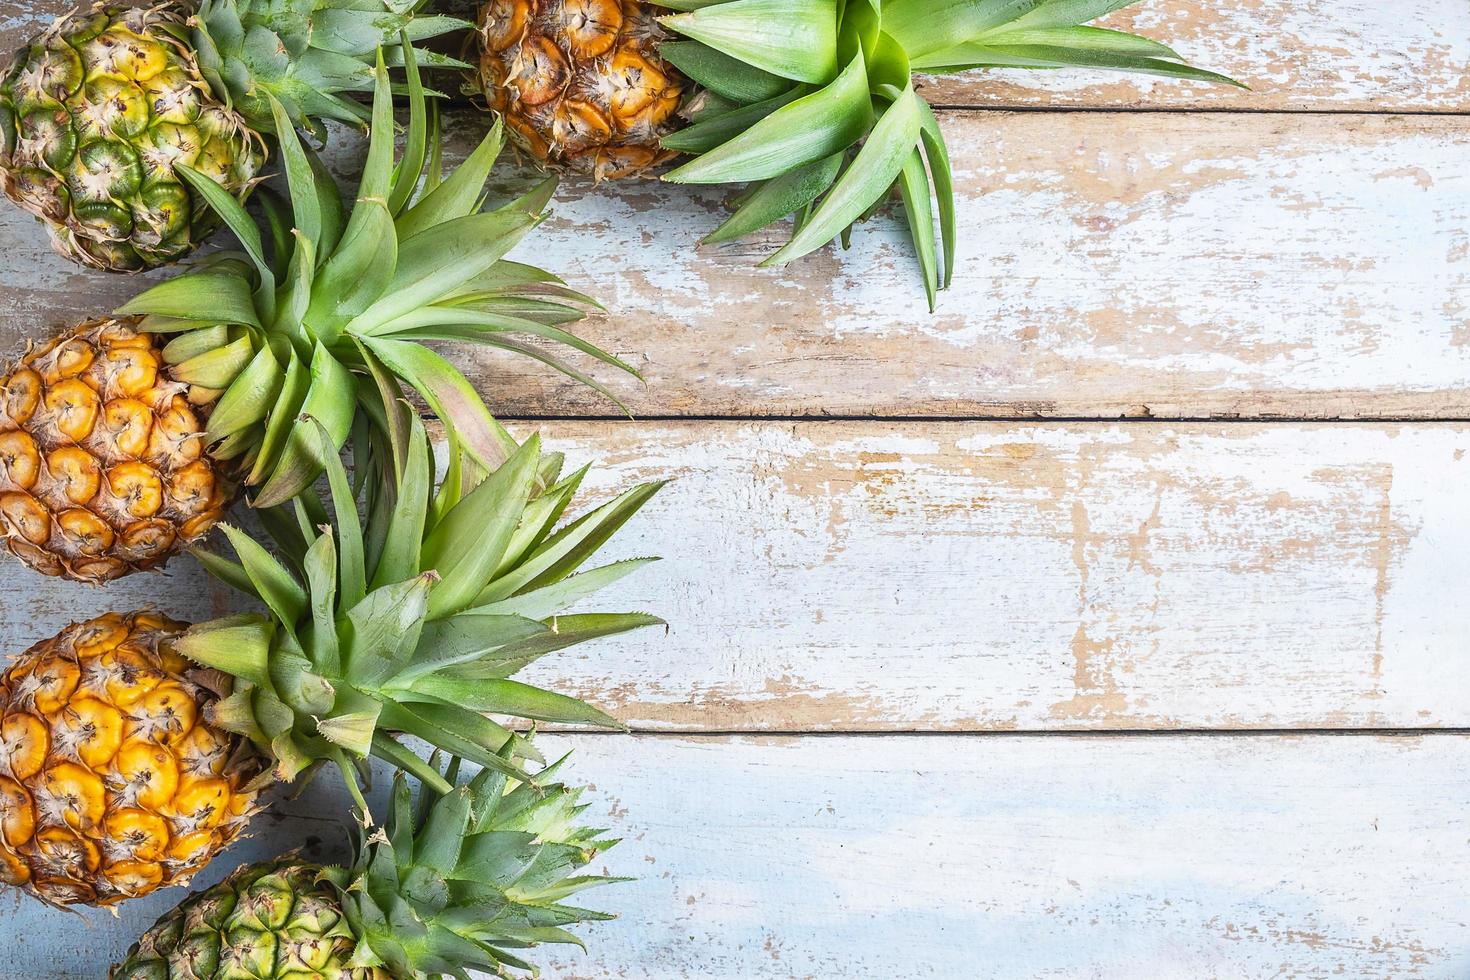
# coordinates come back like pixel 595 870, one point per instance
pixel 22 515
pixel 146 542
pixel 503 23
pixel 17 815
pixel 128 424
pixel 130 878
pixel 72 408
pixel 76 472
pixel 148 775
pixel 56 681
pixel 22 395
pixel 84 533
pixel 73 795
pixel 138 834
pixel 540 73
pixel 20 460
pixel 137 488
pixel 24 742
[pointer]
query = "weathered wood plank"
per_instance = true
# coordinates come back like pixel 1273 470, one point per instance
pixel 959 577
pixel 1114 265
pixel 1336 55
pixel 1358 55
pixel 984 857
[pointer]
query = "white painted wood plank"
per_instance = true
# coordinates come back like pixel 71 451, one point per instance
pixel 1344 55
pixel 966 576
pixel 1176 857
pixel 1172 265
pixel 1361 55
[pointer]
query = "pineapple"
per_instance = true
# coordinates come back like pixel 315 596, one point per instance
pixel 99 112
pixel 129 763
pixel 124 440
pixel 810 102
pixel 581 82
pixel 477 877
pixel 112 781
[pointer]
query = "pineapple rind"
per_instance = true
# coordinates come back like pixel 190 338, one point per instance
pixel 112 784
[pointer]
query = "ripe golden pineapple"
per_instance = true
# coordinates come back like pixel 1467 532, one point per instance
pixel 112 783
pixel 581 82
pixel 102 465
pixel 125 768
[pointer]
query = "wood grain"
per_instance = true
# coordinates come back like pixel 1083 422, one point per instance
pixel 1115 265
pixel 762 858
pixel 1312 55
pixel 967 577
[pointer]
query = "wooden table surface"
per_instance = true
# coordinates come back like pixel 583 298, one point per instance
pixel 1110 622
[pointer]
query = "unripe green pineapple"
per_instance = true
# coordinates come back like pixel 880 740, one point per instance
pixel 276 919
pixel 475 878
pixel 97 112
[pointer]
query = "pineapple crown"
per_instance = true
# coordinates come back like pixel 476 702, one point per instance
pixel 467 879
pixel 813 103
pixel 414 620
pixel 276 332
pixel 305 54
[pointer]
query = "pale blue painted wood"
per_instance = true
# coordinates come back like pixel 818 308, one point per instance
pixel 969 857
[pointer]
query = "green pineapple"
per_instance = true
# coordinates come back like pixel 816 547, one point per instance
pixel 125 439
pixel 475 878
pixel 97 113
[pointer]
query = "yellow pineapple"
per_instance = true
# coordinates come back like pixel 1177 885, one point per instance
pixel 112 783
pixel 132 747
pixel 102 465
pixel 581 82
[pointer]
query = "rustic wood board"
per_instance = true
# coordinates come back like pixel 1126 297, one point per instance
pixel 1131 264
pixel 1295 253
pixel 972 576
pixel 1305 55
pixel 1317 55
pixel 979 857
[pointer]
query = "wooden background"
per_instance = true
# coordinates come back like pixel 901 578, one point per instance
pixel 1110 622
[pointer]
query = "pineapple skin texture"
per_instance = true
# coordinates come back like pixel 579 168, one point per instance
pixel 102 463
pixel 94 114
pixel 273 920
pixel 580 84
pixel 112 783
